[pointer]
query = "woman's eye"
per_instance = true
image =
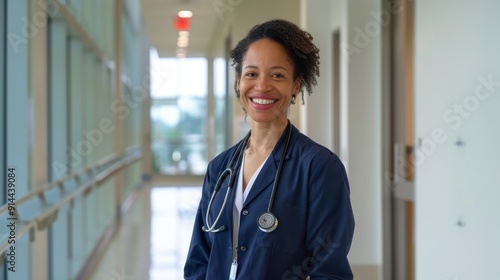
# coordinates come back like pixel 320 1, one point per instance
pixel 250 74
pixel 277 75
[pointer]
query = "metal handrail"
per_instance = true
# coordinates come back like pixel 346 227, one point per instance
pixel 47 216
pixel 61 181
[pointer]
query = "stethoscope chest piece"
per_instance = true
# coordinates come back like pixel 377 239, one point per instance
pixel 267 222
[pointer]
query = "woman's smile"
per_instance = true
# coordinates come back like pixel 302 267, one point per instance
pixel 262 101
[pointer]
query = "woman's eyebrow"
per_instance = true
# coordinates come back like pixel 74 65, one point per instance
pixel 279 67
pixel 274 67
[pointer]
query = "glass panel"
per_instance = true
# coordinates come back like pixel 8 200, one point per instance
pixel 3 189
pixel 76 7
pixel 57 125
pixel 2 107
pixel 76 118
pixel 133 9
pixel 17 121
pixel 109 19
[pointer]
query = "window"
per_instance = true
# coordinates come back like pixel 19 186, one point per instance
pixel 178 115
pixel 221 101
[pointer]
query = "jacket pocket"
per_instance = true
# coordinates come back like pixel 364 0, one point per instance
pixel 289 234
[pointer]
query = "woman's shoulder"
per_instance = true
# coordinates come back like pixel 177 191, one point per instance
pixel 309 145
pixel 312 150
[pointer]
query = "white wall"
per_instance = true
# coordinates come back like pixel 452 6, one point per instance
pixel 319 116
pixel 360 116
pixel 364 132
pixel 457 187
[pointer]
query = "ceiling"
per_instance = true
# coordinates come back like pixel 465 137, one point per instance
pixel 158 17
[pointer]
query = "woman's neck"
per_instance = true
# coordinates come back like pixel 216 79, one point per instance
pixel 265 136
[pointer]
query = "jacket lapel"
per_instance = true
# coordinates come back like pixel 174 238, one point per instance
pixel 264 180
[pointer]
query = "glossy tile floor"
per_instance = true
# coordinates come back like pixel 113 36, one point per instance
pixel 154 237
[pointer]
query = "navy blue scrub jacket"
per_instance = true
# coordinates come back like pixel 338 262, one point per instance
pixel 313 208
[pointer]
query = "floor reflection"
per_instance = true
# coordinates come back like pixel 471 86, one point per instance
pixel 172 217
pixel 152 247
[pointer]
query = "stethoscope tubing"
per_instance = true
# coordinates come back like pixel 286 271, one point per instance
pixel 212 228
pixel 218 184
pixel 229 171
pixel 278 172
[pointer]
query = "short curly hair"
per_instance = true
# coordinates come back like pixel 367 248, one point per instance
pixel 297 42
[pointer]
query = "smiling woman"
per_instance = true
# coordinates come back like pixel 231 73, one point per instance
pixel 284 209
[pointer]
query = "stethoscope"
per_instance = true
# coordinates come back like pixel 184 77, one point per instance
pixel 266 221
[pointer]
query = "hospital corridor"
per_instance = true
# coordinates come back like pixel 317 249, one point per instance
pixel 112 110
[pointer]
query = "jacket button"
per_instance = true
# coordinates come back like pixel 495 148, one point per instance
pixel 243 248
pixel 245 212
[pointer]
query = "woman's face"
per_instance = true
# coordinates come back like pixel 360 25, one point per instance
pixel 266 84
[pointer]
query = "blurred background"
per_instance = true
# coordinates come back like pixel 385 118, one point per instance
pixel 111 110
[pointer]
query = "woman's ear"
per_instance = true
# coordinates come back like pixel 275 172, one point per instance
pixel 237 85
pixel 297 85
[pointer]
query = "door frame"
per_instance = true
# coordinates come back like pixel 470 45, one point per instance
pixel 398 142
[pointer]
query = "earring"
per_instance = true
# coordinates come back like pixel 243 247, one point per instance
pixel 293 99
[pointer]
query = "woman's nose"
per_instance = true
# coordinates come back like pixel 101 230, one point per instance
pixel 263 84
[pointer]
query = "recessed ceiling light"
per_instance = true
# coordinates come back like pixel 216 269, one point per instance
pixel 182 44
pixel 185 14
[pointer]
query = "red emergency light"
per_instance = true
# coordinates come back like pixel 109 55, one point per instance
pixel 181 23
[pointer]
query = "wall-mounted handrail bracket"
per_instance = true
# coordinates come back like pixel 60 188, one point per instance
pixel 47 219
pixel 32 234
pixel 60 186
pixel 42 199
